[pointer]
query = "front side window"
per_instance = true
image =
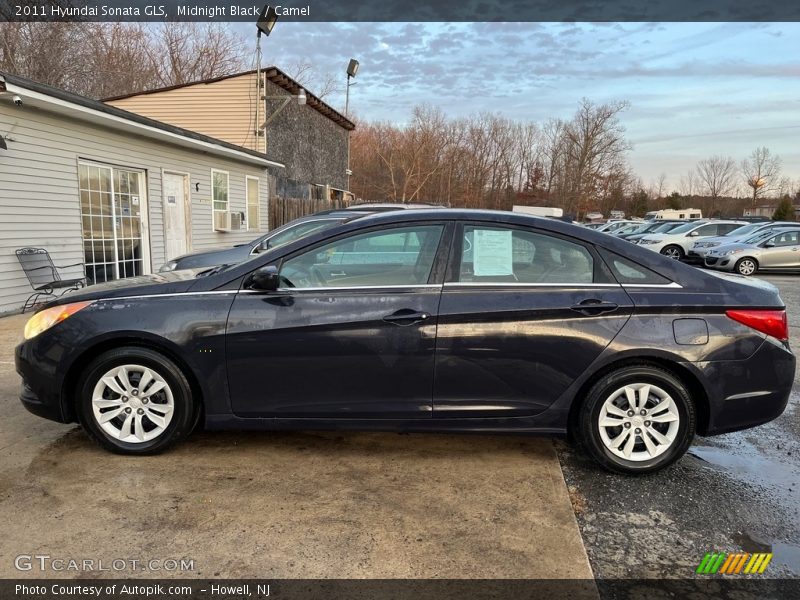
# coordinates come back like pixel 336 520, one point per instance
pixel 503 255
pixel 397 256
pixel 788 238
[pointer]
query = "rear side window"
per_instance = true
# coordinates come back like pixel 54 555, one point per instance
pixel 628 272
pixel 505 255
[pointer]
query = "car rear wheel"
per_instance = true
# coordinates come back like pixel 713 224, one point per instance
pixel 746 266
pixel 674 252
pixel 637 419
pixel 135 401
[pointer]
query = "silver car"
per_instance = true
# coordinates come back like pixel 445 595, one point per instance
pixel 776 250
pixel 697 252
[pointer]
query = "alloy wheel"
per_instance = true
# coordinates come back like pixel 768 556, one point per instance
pixel 133 403
pixel 672 252
pixel 638 422
pixel 746 266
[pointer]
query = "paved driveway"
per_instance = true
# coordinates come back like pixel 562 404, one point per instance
pixel 286 505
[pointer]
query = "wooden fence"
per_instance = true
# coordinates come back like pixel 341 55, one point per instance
pixel 285 204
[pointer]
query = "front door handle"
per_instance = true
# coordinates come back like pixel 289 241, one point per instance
pixel 594 306
pixel 406 316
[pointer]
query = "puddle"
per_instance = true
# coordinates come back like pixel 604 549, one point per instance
pixel 784 554
pixel 752 467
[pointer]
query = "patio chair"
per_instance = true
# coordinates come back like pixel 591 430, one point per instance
pixel 44 277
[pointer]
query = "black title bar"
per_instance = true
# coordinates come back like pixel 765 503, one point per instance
pixel 405 10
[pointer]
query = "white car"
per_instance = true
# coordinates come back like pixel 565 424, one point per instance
pixel 677 242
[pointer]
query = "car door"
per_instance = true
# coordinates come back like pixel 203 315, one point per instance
pixel 350 333
pixel 524 312
pixel 781 251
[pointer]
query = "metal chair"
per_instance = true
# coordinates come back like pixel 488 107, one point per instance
pixel 43 275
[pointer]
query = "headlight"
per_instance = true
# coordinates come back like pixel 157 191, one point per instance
pixel 44 320
pixel 649 241
pixel 728 252
pixel 168 266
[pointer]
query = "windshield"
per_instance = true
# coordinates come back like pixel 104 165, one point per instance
pixel 744 229
pixel 760 236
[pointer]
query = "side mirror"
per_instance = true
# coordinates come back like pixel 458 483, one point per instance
pixel 693 234
pixel 264 279
pixel 769 244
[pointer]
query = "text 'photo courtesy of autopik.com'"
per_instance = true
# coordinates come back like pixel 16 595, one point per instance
pixel 490 299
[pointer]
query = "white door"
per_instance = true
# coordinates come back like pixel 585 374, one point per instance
pixel 175 217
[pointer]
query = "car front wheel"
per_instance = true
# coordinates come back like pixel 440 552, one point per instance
pixel 746 266
pixel 637 419
pixel 135 401
pixel 673 252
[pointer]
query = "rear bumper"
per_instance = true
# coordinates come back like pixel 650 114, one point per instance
pixel 747 393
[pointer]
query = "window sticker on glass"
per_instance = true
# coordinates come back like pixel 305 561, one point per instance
pixel 492 253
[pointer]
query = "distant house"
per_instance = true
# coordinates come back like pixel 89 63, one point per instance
pixel 115 190
pixel 767 210
pixel 311 139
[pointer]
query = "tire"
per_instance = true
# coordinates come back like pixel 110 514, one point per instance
pixel 612 388
pixel 674 252
pixel 746 266
pixel 159 414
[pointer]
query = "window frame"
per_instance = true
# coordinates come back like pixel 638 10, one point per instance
pixel 247 179
pixel 601 275
pixel 215 210
pixel 435 278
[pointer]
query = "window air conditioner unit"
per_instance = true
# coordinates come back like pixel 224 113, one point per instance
pixel 236 221
pixel 222 221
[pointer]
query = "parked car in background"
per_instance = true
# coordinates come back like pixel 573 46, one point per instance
pixel 774 250
pixel 650 227
pixel 289 232
pixel 699 248
pixel 676 242
pixel 385 206
pixel 613 225
pixel 530 326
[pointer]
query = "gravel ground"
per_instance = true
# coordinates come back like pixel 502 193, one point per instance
pixel 733 492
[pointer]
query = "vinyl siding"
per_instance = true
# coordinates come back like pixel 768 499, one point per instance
pixel 39 203
pixel 197 107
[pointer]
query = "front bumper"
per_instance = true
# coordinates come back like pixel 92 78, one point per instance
pixel 41 391
pixel 724 263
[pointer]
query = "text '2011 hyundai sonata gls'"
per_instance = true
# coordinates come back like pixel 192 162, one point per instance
pixel 434 320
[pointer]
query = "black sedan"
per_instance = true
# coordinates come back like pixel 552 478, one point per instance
pixel 434 320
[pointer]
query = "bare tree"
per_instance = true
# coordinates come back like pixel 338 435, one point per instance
pixel 595 148
pixel 189 51
pixel 760 171
pixel 717 175
pixel 688 184
pixel 321 84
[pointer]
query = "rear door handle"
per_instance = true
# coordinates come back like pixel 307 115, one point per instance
pixel 406 316
pixel 594 306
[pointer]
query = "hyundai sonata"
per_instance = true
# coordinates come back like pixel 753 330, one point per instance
pixel 434 320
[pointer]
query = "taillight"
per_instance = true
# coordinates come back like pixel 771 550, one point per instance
pixel 771 322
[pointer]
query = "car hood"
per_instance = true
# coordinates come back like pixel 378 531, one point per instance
pixel 733 246
pixel 145 285
pixel 213 257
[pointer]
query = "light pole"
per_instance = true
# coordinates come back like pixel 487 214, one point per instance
pixel 266 21
pixel 352 70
